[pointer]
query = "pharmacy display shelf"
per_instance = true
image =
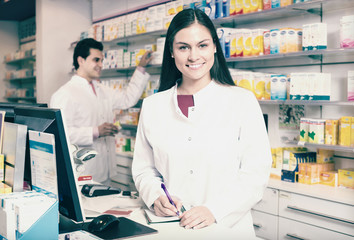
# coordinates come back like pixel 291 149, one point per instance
pixel 120 72
pixel 136 38
pixel 27 99
pixel 25 79
pixel 305 102
pixel 125 154
pixel 336 194
pixel 303 58
pixel 322 146
pixel 21 60
pixel 296 9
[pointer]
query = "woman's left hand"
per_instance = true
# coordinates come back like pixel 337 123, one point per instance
pixel 197 217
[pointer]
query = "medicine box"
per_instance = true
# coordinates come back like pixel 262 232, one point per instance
pixel 344 131
pixel 329 178
pixel 346 178
pixel 331 134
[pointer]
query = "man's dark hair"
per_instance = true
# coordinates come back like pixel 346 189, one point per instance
pixel 83 47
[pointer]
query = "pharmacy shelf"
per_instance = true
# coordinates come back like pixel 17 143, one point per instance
pixel 129 126
pixel 15 99
pixel 296 9
pixel 133 39
pixel 323 146
pixel 125 154
pixel 29 79
pixel 116 72
pixel 336 194
pixel 303 102
pixel 21 60
pixel 303 58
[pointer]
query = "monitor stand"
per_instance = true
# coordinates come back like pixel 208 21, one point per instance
pixel 68 225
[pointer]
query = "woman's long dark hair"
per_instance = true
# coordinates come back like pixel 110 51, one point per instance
pixel 170 73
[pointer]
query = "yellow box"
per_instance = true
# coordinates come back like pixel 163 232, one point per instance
pixel 312 173
pixel 138 54
pixel 247 42
pixel 346 178
pixel 324 156
pixel 239 6
pixel 344 131
pixel 259 86
pixel 331 132
pixel 284 3
pixel 257 42
pixel 352 133
pixel 279 157
pixel 4 188
pixel 329 178
pixel 274 157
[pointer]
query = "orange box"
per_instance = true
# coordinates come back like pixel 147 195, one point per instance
pixel 346 178
pixel 329 178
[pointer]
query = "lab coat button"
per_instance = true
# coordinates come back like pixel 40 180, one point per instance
pixel 191 171
pixel 192 109
pixel 190 139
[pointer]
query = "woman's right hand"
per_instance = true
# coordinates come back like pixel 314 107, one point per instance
pixel 164 208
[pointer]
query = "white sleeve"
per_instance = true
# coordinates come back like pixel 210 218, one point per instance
pixel 146 177
pixel 83 135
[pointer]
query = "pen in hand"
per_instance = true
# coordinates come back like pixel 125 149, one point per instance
pixel 169 197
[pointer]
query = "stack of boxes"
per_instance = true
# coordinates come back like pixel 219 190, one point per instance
pixel 300 165
pixel 328 131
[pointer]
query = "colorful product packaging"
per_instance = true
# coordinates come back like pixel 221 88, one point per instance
pixel 331 133
pixel 352 133
pixel 344 131
pixel 266 42
pixel 324 156
pixel 350 96
pixel 274 41
pixel 329 178
pixel 346 178
pixel 267 81
pixel 257 42
pixel 347 31
pixel 259 86
pixel 247 42
pixel 278 87
pixel 239 7
pixel 317 131
pixel 267 4
pixel 304 129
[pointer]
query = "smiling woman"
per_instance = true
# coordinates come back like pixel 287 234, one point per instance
pixel 200 135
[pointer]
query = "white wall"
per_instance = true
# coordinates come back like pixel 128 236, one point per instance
pixel 108 8
pixel 59 23
pixel 9 43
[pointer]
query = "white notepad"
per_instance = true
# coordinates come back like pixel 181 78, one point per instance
pixel 152 218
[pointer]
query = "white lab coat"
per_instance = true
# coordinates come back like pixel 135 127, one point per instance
pixel 218 157
pixel 82 110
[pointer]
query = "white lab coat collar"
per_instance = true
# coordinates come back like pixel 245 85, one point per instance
pixel 200 97
pixel 84 82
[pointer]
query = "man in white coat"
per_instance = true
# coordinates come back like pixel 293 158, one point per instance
pixel 87 106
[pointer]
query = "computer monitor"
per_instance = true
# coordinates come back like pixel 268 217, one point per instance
pixel 8 107
pixel 49 120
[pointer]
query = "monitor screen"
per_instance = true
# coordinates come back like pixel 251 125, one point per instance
pixel 8 107
pixel 50 121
